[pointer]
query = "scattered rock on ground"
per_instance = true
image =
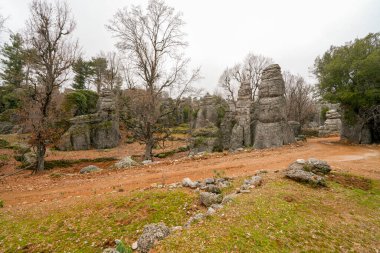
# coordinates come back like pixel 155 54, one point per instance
pixel 213 188
pixel 217 206
pixel 134 246
pixel 89 169
pixel 110 250
pixel 208 198
pixel 257 181
pixel 151 234
pixel 228 198
pixel 196 217
pixel 209 181
pixel 210 211
pixel 186 182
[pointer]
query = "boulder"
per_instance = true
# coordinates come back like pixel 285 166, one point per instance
pixel 89 169
pixel 305 176
pixel 126 162
pixel 317 166
pixel 207 198
pixel 151 234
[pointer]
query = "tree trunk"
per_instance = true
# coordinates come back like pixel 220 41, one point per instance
pixel 148 149
pixel 149 143
pixel 41 150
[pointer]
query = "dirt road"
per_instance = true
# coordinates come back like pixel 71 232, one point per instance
pixel 65 185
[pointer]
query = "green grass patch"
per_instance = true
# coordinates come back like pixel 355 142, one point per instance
pixel 93 226
pixel 4 158
pixel 172 152
pixel 1 203
pixel 68 163
pixel 285 216
pixel 4 143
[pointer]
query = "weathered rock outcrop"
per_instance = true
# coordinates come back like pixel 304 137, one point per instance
pixel 242 131
pixel 206 136
pixel 207 114
pixel 295 126
pixel 99 130
pixel 332 124
pixel 272 128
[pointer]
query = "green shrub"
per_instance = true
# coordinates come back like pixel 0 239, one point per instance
pixel 324 110
pixel 80 102
pixel 4 143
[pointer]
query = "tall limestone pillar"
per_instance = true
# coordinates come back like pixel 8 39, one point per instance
pixel 272 128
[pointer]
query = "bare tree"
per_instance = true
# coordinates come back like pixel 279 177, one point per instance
pixel 229 84
pixel 51 55
pixel 300 102
pixel 113 78
pixel 251 69
pixel 153 41
pixel 2 22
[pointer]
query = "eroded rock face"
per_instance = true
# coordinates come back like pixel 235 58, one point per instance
pixel 332 124
pixel 99 130
pixel 242 131
pixel 272 128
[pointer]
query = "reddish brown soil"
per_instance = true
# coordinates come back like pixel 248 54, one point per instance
pixel 65 185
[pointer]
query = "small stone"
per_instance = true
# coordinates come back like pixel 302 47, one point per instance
pixel 210 211
pixel 229 198
pixel 207 198
pixel 245 191
pixel 134 245
pixel 257 181
pixel 300 161
pixel 209 181
pixel 176 228
pixel 217 206
pixel 146 162
pixel 261 172
pixel 213 188
pixel 186 182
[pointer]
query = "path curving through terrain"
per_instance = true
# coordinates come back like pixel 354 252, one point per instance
pixel 25 190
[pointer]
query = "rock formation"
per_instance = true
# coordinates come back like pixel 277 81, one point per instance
pixel 206 135
pixel 272 128
pixel 242 131
pixel 332 124
pixel 99 130
pixel 295 126
pixel 207 114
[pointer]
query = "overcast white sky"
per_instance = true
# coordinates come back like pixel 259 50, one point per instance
pixel 221 33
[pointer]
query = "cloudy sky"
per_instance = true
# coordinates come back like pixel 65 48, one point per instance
pixel 221 33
